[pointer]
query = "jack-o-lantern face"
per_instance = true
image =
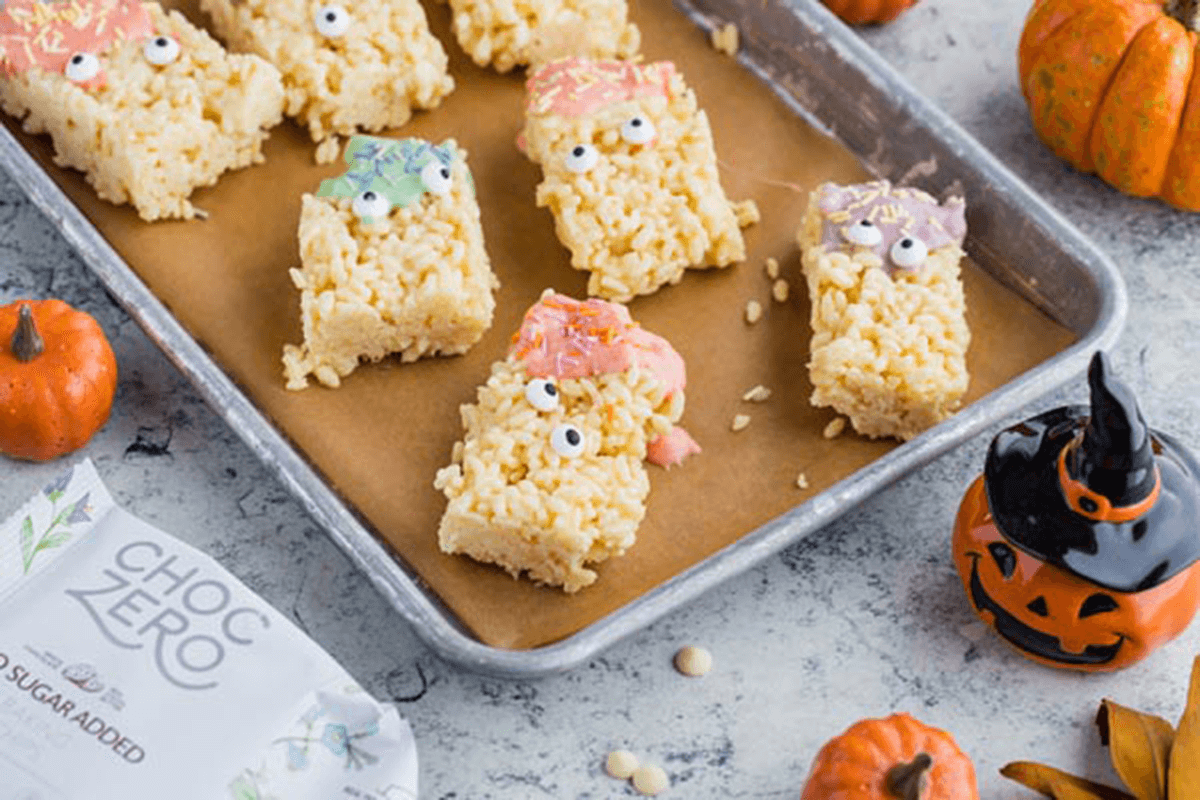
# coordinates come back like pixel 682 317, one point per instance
pixel 1058 618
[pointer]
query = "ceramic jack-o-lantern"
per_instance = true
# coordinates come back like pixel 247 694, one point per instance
pixel 1080 543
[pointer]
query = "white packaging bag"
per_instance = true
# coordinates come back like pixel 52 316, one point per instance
pixel 133 666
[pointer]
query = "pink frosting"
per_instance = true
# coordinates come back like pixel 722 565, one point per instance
pixel 562 337
pixel 671 448
pixel 575 86
pixel 47 34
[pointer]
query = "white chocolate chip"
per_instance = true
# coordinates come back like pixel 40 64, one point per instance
pixel 772 268
pixel 693 661
pixel 740 421
pixel 621 764
pixel 757 395
pixel 801 481
pixel 779 290
pixel 650 779
pixel 753 311
pixel 834 428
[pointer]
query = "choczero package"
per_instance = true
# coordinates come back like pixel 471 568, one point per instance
pixel 133 662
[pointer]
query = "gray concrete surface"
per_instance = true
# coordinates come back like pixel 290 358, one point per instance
pixel 864 618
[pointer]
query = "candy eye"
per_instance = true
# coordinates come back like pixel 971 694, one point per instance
pixel 161 50
pixel 582 158
pixel 909 252
pixel 436 177
pixel 567 440
pixel 82 67
pixel 542 394
pixel 332 21
pixel 637 130
pixel 863 232
pixel 371 205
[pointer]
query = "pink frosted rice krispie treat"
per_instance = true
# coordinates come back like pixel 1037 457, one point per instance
pixel 890 334
pixel 510 33
pixel 346 67
pixel 630 174
pixel 392 261
pixel 146 105
pixel 549 476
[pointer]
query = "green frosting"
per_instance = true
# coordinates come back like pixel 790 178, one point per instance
pixel 389 167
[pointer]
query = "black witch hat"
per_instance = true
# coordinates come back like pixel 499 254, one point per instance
pixel 1095 491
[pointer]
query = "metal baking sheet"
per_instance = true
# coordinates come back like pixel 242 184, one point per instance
pixel 822 71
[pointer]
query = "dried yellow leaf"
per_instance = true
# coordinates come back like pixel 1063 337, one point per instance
pixel 1184 782
pixel 1058 784
pixel 1140 747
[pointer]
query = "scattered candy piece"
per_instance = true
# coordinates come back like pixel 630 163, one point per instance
pixel 740 421
pixel 802 481
pixel 835 428
pixel 650 779
pixel 779 290
pixel 757 395
pixel 725 39
pixel 753 311
pixel 621 764
pixel 772 268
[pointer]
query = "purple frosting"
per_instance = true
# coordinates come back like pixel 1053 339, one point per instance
pixel 897 212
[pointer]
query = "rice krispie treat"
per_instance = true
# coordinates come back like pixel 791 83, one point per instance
pixel 510 33
pixel 345 67
pixel 392 261
pixel 889 333
pixel 146 105
pixel 629 173
pixel 549 476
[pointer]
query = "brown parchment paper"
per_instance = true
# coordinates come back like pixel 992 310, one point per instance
pixel 380 438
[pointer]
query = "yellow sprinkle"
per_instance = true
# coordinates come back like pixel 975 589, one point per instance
pixel 801 481
pixel 772 268
pixel 834 428
pixel 725 39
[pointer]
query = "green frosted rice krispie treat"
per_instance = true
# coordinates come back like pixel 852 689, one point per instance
pixel 392 261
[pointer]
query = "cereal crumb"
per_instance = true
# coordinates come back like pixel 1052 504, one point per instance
pixel 746 213
pixel 740 421
pixel 621 764
pixel 650 779
pixel 757 395
pixel 779 290
pixel 725 39
pixel 753 311
pixel 835 427
pixel 772 268
pixel 802 480
pixel 693 661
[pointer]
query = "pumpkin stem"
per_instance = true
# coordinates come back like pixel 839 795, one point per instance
pixel 1186 11
pixel 27 343
pixel 907 781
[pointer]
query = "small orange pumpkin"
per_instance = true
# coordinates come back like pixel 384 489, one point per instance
pixel 866 12
pixel 897 758
pixel 1113 88
pixel 58 376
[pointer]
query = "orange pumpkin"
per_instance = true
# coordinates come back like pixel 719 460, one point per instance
pixel 58 376
pixel 865 12
pixel 1113 88
pixel 889 759
pixel 1080 543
